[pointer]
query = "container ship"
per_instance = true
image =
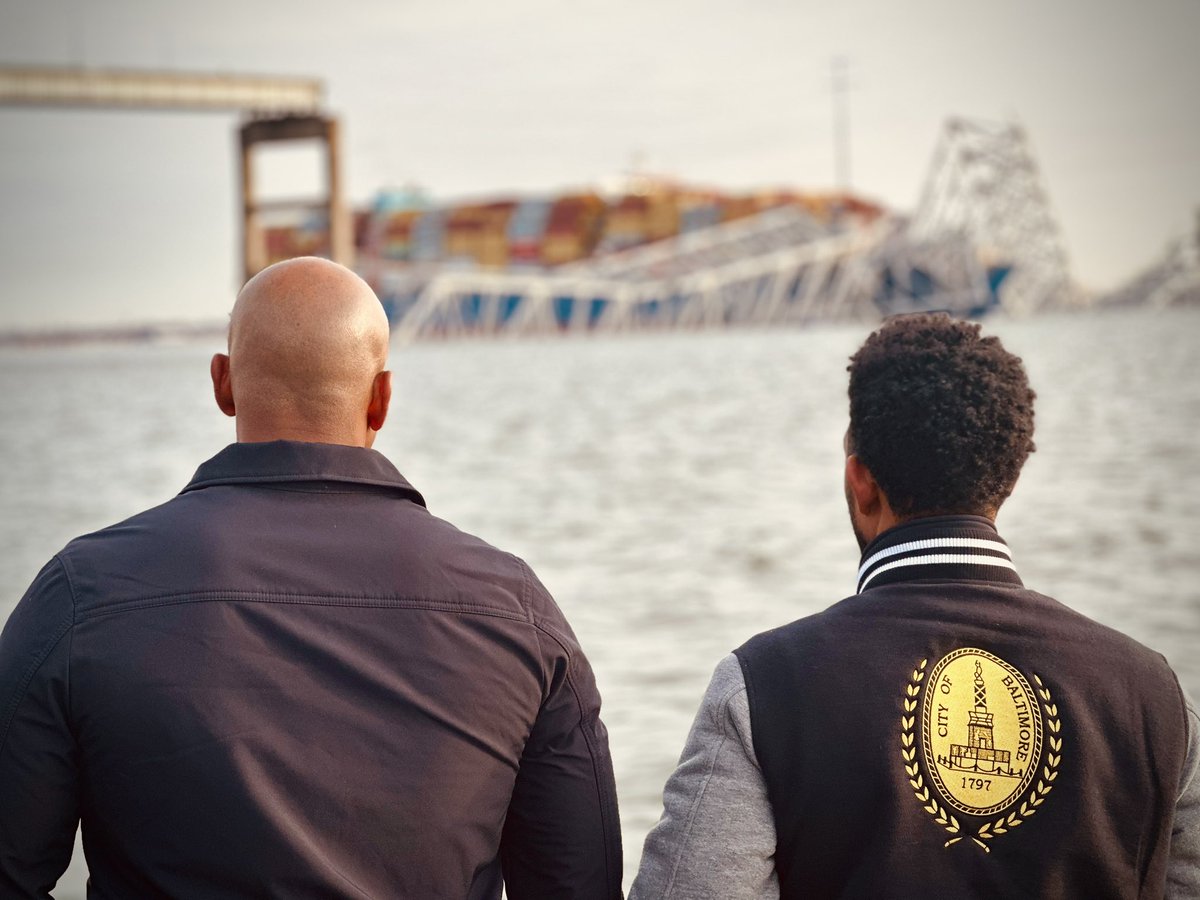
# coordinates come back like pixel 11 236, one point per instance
pixel 402 239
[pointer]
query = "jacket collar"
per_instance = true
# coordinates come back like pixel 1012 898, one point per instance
pixel 293 461
pixel 956 548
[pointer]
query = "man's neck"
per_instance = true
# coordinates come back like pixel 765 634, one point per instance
pixel 261 433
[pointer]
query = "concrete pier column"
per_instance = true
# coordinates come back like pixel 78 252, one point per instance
pixel 332 205
pixel 341 237
pixel 253 250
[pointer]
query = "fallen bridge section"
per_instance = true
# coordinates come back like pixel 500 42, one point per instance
pixel 786 269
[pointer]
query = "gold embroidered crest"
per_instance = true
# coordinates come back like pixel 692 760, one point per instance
pixel 982 727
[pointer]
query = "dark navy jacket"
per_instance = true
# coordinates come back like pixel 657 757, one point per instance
pixel 292 680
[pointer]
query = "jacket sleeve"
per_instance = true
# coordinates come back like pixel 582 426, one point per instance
pixel 562 836
pixel 716 837
pixel 39 783
pixel 1183 867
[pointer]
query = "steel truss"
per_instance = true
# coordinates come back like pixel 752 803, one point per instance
pixel 984 185
pixel 780 266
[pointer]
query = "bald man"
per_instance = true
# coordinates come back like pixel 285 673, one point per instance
pixel 291 680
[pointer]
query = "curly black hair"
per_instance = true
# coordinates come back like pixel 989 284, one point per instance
pixel 940 415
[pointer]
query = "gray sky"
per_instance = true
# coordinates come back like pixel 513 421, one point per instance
pixel 119 217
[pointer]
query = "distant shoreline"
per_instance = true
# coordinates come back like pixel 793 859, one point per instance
pixel 112 334
pixel 187 332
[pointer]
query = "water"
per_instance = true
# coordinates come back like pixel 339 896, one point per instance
pixel 676 492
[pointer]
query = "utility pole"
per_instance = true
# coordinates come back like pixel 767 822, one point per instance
pixel 841 122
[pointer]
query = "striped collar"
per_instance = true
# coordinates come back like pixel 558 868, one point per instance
pixel 955 548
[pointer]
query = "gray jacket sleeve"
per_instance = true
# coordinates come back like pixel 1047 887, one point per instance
pixel 716 837
pixel 1183 868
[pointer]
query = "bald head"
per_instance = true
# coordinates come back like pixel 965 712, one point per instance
pixel 308 343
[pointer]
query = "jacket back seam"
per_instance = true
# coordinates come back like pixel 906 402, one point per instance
pixel 365 602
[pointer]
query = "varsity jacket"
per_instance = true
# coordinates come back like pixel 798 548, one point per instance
pixel 943 733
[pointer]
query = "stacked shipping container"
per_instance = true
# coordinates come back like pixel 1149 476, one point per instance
pixel 572 229
pixel 403 229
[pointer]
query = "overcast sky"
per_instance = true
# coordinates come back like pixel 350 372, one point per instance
pixel 119 217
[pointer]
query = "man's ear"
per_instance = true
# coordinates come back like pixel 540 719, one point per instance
pixel 862 487
pixel 381 399
pixel 222 387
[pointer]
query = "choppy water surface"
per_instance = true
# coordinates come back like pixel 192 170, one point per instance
pixel 677 493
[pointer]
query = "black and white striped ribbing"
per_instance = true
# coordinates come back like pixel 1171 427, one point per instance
pixel 916 558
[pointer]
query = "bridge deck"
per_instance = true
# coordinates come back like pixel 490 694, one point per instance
pixel 117 88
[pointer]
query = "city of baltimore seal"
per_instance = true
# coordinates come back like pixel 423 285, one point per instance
pixel 981 728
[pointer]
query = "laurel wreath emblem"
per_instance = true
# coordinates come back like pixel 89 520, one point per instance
pixel 929 802
pixel 908 750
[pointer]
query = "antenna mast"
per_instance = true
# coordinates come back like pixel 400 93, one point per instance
pixel 841 122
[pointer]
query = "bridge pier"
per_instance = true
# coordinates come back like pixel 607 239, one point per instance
pixel 332 205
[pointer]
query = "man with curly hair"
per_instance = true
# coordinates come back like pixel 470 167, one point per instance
pixel 945 732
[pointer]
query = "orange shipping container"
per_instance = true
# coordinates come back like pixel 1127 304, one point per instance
pixel 733 208
pixel 563 247
pixel 642 217
pixel 493 249
pixel 463 237
pixel 572 228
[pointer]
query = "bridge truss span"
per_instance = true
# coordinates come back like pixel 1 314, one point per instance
pixel 691 284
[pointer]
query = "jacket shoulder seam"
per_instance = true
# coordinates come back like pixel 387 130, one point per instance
pixel 606 823
pixel 70 578
pixel 722 709
pixel 559 638
pixel 526 588
pixel 63 627
pixel 1188 715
